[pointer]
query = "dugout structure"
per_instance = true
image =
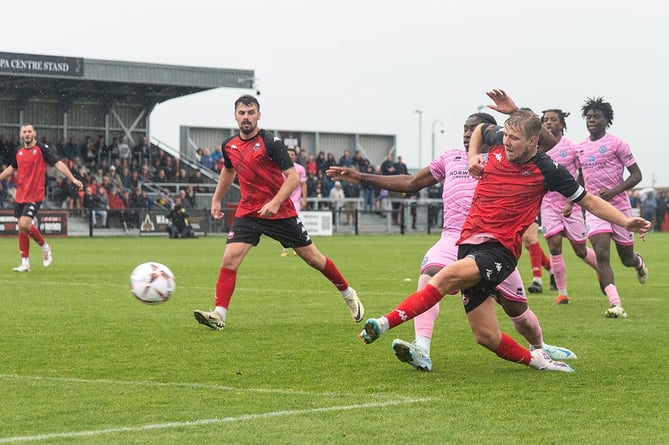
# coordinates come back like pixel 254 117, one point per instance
pixel 64 96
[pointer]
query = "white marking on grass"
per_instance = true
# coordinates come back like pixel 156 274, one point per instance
pixel 169 384
pixel 201 422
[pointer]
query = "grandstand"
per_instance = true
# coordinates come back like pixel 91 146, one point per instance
pixel 77 99
pixel 101 109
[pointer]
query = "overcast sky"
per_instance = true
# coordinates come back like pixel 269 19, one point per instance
pixel 366 66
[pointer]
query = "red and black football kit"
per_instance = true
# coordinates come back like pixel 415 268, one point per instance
pixel 259 163
pixel 30 165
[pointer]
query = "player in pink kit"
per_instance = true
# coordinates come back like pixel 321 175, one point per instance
pixel 603 158
pixel 559 216
pixel 514 177
pixel 299 195
pixel 458 188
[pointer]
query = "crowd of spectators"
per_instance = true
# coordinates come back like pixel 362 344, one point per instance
pixel 327 196
pixel 652 205
pixel 116 178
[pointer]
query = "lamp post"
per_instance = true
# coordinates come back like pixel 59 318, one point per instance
pixel 420 137
pixel 434 122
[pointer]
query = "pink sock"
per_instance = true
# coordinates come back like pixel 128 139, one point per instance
pixel 424 323
pixel 559 271
pixel 527 325
pixel 590 258
pixel 612 292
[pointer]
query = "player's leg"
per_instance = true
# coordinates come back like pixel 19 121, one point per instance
pixel 455 276
pixel 483 323
pixel 246 235
pixel 538 259
pixel 601 244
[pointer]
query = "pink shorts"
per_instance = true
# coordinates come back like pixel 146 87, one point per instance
pixel 572 226
pixel 445 252
pixel 620 235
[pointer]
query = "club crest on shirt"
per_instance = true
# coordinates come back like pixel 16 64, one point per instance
pixel 256 146
pixel 602 149
pixel 499 157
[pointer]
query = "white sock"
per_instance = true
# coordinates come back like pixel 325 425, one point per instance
pixel 537 281
pixel 424 343
pixel 346 292
pixel 221 311
pixel 383 324
pixel 25 261
pixel 45 247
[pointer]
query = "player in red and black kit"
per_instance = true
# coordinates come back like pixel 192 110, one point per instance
pixel 514 177
pixel 30 164
pixel 266 177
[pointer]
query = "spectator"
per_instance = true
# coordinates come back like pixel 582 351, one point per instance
pixel 160 178
pixel 179 226
pixel 337 199
pixel 6 151
pixel 142 151
pixel 71 149
pixel 182 177
pixel 144 174
pixel 320 163
pixel 216 157
pixel 198 155
pixel 329 162
pixel 114 150
pixel 649 206
pixel 311 166
pixel 312 187
pixel 118 207
pixel 400 167
pixel 662 203
pixel 114 178
pixel 96 209
pixel 124 151
pixel 189 197
pixel 88 154
pixel 164 200
pixel 352 193
pixel 195 178
pixel 206 160
pixel 360 161
pixel 388 166
pixel 346 160
pixel 301 157
pixel 125 178
pixel 367 190
pixel 139 202
pixel 106 184
pixel 102 149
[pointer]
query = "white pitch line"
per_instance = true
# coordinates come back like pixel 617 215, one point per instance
pixel 246 417
pixel 170 384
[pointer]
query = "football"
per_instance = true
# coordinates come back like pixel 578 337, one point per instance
pixel 152 283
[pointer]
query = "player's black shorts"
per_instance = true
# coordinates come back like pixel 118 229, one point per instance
pixel 26 209
pixel 290 232
pixel 495 263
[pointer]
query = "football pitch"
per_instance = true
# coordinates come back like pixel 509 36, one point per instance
pixel 83 362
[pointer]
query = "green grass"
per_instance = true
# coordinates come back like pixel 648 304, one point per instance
pixel 81 361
